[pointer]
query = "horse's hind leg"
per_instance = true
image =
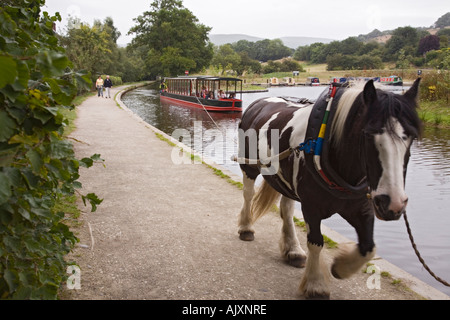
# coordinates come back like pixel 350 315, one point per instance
pixel 289 245
pixel 246 231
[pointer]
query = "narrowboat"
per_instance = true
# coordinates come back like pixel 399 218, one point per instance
pixel 288 81
pixel 312 81
pixel 274 82
pixel 205 92
pixel 392 81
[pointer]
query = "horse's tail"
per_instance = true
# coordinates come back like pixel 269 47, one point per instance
pixel 263 200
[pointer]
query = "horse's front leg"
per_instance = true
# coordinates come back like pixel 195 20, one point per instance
pixel 246 231
pixel 315 280
pixel 289 245
pixel 353 257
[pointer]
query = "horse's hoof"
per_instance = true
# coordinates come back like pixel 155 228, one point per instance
pixel 297 261
pixel 247 236
pixel 334 272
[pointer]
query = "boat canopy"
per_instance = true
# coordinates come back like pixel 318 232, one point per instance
pixel 193 85
pixel 205 78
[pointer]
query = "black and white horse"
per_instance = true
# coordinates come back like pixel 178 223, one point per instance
pixel 361 170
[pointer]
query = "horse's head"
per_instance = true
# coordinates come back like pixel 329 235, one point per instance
pixel 391 126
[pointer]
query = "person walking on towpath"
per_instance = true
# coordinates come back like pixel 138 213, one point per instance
pixel 99 85
pixel 107 84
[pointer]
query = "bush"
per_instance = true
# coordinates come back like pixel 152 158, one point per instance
pixel 116 81
pixel 37 166
pixel 435 86
pixel 352 62
pixel 288 65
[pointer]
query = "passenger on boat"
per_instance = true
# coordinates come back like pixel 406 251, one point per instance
pixel 210 95
pixel 222 95
pixel 163 86
pixel 204 93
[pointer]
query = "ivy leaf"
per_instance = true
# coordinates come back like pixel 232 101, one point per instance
pixel 7 154
pixel 5 188
pixel 8 71
pixel 11 278
pixel 35 160
pixel 7 126
pixel 93 200
pixel 61 149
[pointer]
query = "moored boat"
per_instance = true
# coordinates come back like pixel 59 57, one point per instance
pixel 392 81
pixel 274 82
pixel 204 92
pixel 288 81
pixel 312 81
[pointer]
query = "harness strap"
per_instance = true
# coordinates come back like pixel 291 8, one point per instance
pixel 252 162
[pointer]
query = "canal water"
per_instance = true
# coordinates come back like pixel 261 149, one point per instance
pixel 427 182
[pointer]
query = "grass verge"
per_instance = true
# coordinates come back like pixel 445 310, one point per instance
pixel 435 113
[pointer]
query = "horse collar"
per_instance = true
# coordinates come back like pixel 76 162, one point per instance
pixel 316 150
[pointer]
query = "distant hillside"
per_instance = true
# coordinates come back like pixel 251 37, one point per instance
pixel 221 39
pixel 291 42
pixel 295 42
pixel 383 36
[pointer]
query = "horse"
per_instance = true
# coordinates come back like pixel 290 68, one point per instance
pixel 346 153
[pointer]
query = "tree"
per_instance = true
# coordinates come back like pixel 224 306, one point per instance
pixel 109 27
pixel 92 48
pixel 169 25
pixel 263 50
pixel 226 57
pixel 350 45
pixel 428 43
pixel 406 38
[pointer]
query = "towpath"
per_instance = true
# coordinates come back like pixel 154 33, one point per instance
pixel 169 232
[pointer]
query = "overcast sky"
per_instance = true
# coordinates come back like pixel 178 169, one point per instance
pixel 270 18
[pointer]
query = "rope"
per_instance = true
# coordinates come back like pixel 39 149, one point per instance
pixel 445 283
pixel 215 123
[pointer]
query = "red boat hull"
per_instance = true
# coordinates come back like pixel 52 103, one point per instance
pixel 221 105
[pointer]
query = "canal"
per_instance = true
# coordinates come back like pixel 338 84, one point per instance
pixel 427 182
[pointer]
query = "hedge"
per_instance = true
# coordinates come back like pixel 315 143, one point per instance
pixel 38 167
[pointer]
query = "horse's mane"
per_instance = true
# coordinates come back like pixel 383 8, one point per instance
pixel 375 120
pixel 345 104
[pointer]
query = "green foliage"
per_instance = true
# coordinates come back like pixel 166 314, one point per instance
pixel 436 85
pixel 287 65
pixel 38 168
pixel 406 38
pixel 263 50
pixel 406 46
pixel 353 62
pixel 116 81
pixel 95 49
pixel 89 48
pixel 170 29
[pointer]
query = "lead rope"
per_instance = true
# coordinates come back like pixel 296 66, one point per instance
pixel 445 283
pixel 215 123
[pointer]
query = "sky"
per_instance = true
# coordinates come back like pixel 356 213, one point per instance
pixel 269 19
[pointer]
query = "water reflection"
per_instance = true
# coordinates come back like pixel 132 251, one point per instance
pixel 427 184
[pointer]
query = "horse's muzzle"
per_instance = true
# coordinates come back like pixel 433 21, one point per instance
pixel 382 204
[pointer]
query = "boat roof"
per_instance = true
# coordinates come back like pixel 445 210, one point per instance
pixel 207 78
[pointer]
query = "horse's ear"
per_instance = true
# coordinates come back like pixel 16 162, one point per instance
pixel 413 92
pixel 369 93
